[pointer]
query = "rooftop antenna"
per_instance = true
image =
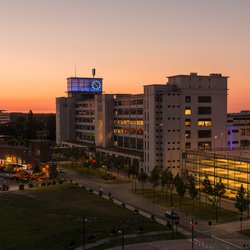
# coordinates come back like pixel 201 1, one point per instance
pixel 75 70
pixel 93 73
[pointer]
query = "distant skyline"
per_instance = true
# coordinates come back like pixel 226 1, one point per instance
pixel 130 43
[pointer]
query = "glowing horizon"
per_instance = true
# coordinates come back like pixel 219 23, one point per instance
pixel 130 43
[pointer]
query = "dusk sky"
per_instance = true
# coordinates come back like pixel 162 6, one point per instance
pixel 131 43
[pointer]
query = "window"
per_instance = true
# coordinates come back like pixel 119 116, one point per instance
pixel 204 133
pixel 204 122
pixel 235 131
pixel 187 122
pixel 187 99
pixel 245 132
pixel 187 111
pixel 244 143
pixel 204 99
pixel 204 145
pixel 204 110
pixel 188 145
pixel 188 134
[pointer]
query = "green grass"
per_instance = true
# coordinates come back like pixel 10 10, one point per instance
pixel 202 211
pixel 50 217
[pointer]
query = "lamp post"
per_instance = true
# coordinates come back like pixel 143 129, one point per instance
pixel 209 224
pixel 193 225
pixel 215 137
pixel 172 219
pixel 122 234
pixel 83 230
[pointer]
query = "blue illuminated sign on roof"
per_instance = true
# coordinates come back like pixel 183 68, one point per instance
pixel 76 84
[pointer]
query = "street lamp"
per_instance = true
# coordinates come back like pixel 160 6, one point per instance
pixel 83 230
pixel 209 224
pixel 122 234
pixel 215 138
pixel 193 225
pixel 172 219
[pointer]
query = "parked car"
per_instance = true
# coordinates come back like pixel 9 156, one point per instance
pixel 172 215
pixel 3 185
pixel 62 171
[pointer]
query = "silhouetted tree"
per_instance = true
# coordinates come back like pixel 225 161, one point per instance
pixel 180 187
pixel 167 180
pixel 155 178
pixel 241 202
pixel 192 190
pixel 142 177
pixel 206 187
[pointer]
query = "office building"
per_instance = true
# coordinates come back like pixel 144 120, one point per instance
pixel 153 128
pixel 4 117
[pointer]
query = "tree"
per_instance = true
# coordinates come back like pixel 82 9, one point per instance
pixel 37 169
pixel 192 190
pixel 133 171
pixel 219 190
pixel 241 202
pixel 180 187
pixel 207 187
pixel 155 178
pixel 142 177
pixel 167 181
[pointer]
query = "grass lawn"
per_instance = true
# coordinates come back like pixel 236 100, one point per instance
pixel 50 217
pixel 202 211
pixel 245 232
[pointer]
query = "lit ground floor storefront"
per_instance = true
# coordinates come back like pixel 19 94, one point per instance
pixel 232 168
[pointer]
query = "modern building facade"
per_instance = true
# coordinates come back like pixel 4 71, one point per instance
pixel 154 128
pixel 4 117
pixel 239 130
pixel 189 112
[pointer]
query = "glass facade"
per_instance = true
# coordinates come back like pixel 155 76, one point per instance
pixel 232 170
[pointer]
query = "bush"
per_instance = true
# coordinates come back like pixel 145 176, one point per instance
pixel 21 187
pixel 136 211
pixel 54 182
pixel 43 184
pixel 152 218
pixel 30 185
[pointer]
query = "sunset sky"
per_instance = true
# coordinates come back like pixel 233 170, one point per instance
pixel 131 43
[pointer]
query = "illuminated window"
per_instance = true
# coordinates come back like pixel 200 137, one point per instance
pixel 206 122
pixel 187 111
pixel 187 122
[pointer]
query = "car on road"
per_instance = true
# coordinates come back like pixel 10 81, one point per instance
pixel 172 215
pixel 61 170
